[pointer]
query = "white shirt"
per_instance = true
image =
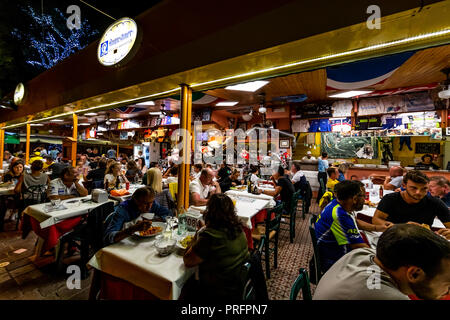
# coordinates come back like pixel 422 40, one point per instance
pixel 58 188
pixel 342 108
pixel 306 158
pixel 112 180
pixel 171 179
pixel 397 181
pixel 370 106
pixel 196 186
pixel 297 176
pixel 254 178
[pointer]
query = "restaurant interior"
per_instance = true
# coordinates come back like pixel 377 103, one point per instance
pixel 369 115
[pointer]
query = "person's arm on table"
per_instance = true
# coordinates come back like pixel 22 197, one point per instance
pixel 82 191
pixel 273 193
pixel 197 200
pixel 380 218
pixel 362 225
pixel 191 258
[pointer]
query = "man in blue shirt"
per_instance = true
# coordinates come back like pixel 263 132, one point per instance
pixel 142 201
pixel 322 175
pixel 336 229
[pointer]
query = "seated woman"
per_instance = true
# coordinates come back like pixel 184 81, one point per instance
pixel 14 173
pixel 114 179
pixel 141 165
pixel 163 197
pixel 133 173
pixel 220 251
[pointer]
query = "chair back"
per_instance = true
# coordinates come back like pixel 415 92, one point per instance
pixel 248 292
pixel 95 224
pixel 99 184
pixel 173 188
pixel 35 194
pixel 302 282
pixel 317 264
pixel 273 224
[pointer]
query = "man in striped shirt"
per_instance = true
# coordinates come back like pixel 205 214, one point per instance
pixel 336 229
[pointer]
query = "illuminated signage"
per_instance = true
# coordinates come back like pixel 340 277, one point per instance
pixel 118 42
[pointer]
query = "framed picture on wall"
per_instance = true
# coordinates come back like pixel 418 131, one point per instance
pixel 285 143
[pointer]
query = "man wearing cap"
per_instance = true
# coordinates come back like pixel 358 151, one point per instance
pixel 308 156
pixel 35 156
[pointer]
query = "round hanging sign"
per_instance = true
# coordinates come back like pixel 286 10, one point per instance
pixel 118 44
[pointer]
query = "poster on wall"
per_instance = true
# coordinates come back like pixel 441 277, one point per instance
pixel 338 146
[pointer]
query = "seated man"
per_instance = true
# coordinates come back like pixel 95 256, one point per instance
pixel 142 201
pixel 283 186
pixel 333 175
pixel 97 174
pixel 48 163
pixel 202 188
pixel 67 186
pixel 440 188
pixel 409 260
pixel 412 205
pixel 335 227
pixel 298 178
pixel 395 179
pixel 230 181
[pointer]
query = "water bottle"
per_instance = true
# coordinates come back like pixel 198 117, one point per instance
pixel 181 223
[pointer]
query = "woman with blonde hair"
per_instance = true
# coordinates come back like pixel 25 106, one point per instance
pixel 163 197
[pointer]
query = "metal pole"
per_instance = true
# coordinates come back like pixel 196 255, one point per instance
pixel 184 168
pixel 75 138
pixel 27 145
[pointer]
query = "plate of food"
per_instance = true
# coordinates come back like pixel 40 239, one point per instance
pixel 185 242
pixel 155 229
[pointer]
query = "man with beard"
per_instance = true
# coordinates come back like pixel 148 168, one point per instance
pixel 409 260
pixel 412 205
pixel 336 230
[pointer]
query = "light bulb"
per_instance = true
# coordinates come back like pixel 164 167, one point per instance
pixel 262 110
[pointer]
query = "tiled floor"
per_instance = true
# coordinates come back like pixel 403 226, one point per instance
pixel 25 278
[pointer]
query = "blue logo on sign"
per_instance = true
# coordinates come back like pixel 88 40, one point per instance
pixel 104 48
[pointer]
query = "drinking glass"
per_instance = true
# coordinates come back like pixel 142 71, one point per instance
pixel 56 202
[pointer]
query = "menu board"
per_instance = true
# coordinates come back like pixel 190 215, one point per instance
pixel 433 148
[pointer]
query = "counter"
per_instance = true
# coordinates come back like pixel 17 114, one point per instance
pixel 363 173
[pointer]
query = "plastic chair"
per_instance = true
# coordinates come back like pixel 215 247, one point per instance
pixel 291 214
pixel 271 233
pixel 30 196
pixel 317 273
pixel 302 282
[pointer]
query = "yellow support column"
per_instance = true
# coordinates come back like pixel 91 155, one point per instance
pixel 2 147
pixel 74 142
pixel 27 145
pixel 184 168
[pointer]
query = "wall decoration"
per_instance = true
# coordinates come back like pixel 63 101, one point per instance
pixel 338 146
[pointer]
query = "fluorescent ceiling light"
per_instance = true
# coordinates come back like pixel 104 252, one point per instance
pixel 36 124
pixel 227 104
pixel 99 133
pixel 56 120
pixel 90 114
pixel 248 86
pixel 146 103
pixel 84 124
pixel 350 94
pixel 155 113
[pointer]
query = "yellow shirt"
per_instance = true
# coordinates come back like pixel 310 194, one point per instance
pixel 331 183
pixel 35 158
pixel 47 165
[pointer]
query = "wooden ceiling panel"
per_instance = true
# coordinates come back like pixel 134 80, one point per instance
pixel 423 67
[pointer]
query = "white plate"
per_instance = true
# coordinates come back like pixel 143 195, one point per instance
pixel 154 224
pixel 148 215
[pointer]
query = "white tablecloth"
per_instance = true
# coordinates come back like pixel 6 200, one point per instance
pixel 47 219
pixel 133 188
pixel 6 191
pixel 246 208
pixel 369 212
pixel 137 261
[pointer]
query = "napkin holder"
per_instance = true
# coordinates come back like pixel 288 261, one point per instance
pixel 99 195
